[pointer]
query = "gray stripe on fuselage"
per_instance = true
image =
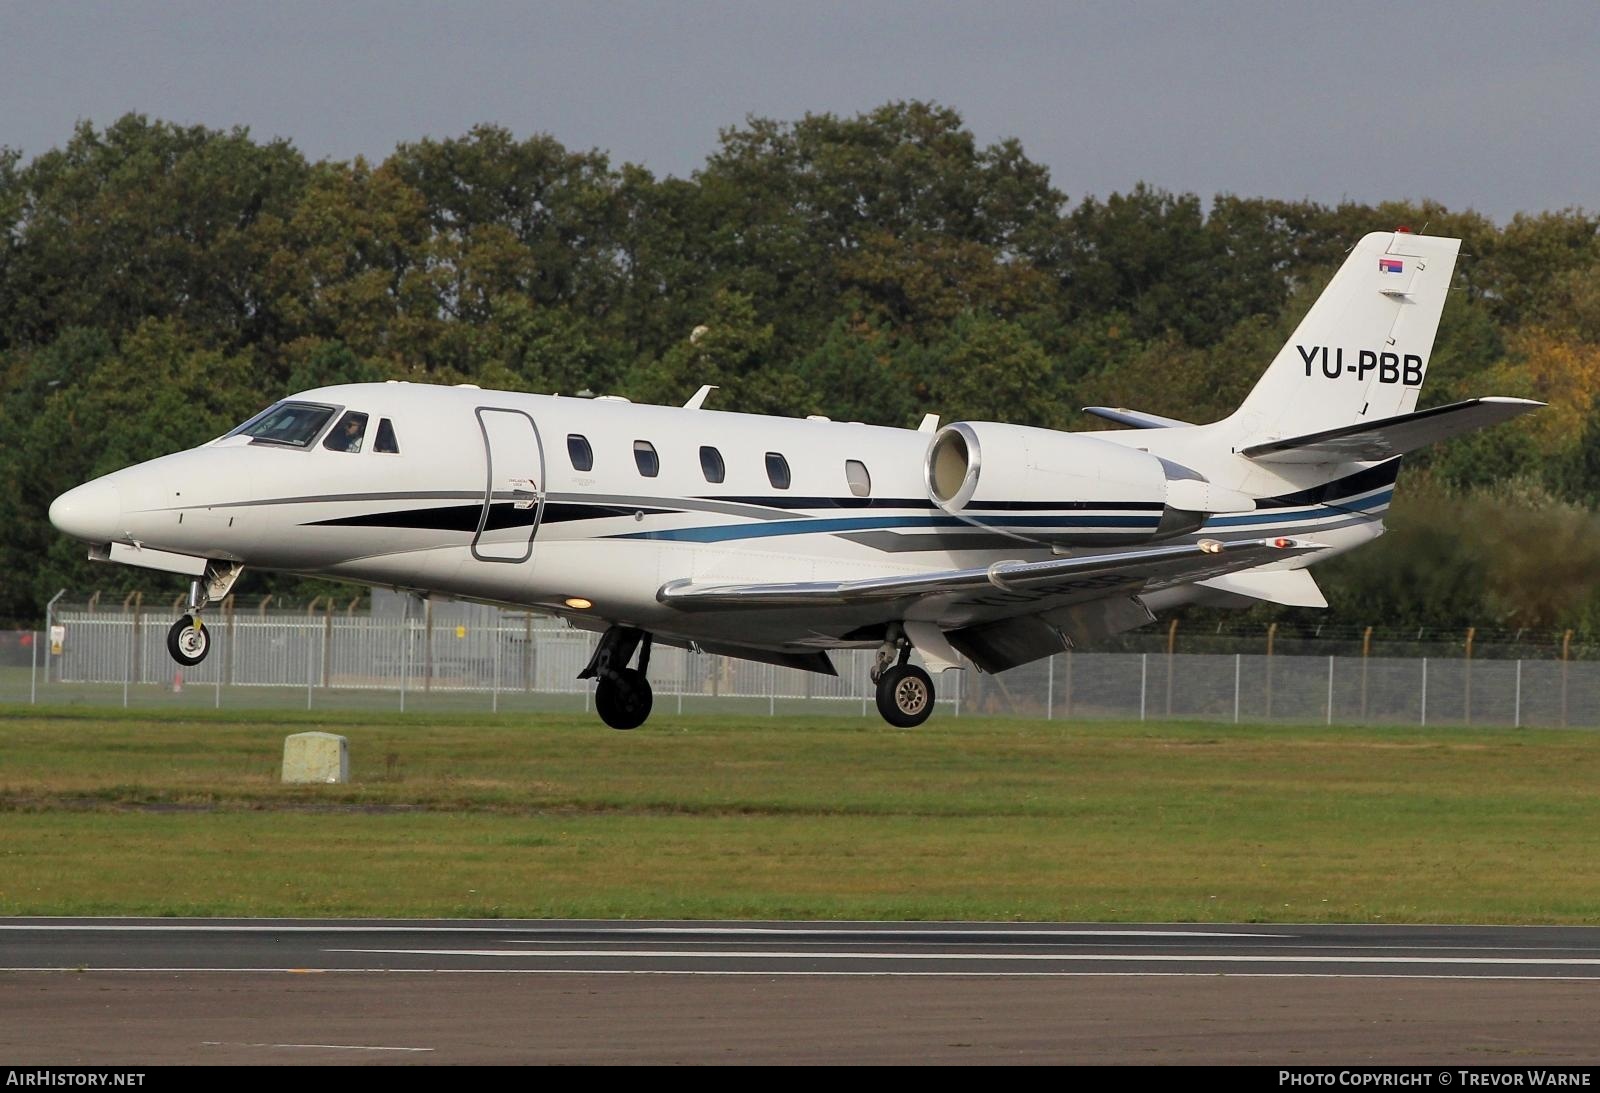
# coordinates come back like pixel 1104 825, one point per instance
pixel 329 498
pixel 686 504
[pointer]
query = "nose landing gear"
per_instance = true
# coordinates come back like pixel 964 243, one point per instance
pixel 188 640
pixel 622 695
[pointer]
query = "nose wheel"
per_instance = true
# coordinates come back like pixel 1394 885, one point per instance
pixel 188 641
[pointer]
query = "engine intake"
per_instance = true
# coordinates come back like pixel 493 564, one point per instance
pixel 1043 486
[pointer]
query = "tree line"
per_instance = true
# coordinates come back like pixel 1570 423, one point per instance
pixel 160 283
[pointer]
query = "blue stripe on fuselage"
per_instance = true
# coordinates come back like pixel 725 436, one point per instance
pixel 719 533
pixel 1320 512
pixel 723 532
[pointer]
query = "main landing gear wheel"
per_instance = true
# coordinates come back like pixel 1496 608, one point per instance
pixel 623 700
pixel 188 641
pixel 905 696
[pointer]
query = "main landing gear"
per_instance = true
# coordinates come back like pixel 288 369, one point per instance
pixel 905 692
pixel 622 695
pixel 188 640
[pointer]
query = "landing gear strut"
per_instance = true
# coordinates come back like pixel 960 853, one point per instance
pixel 188 640
pixel 905 692
pixel 622 695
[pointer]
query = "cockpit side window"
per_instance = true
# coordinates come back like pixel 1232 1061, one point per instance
pixel 348 434
pixel 292 424
pixel 386 441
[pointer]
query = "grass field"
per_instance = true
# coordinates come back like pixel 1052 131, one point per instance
pixel 553 815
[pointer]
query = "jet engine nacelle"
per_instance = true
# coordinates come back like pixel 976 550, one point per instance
pixel 1066 488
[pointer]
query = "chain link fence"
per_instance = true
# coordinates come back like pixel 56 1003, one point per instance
pixel 468 658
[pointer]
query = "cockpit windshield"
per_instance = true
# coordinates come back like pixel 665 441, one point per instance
pixel 294 424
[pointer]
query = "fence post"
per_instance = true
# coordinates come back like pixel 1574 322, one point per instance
pixel 1330 688
pixel 1049 687
pixel 1144 671
pixel 50 628
pixel 1172 645
pixel 311 661
pixel 127 662
pixel 494 692
pixel 1366 649
pixel 327 645
pixel 405 653
pixel 1272 633
pixel 1516 717
pixel 33 672
pixel 1237 661
pixel 1068 695
pixel 864 677
pixel 427 645
pixel 1566 648
pixel 1424 690
pixel 1467 689
pixel 772 690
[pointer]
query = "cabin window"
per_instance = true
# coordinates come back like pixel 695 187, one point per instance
pixel 292 424
pixel 855 473
pixel 579 452
pixel 386 442
pixel 711 464
pixel 644 455
pixel 777 471
pixel 348 434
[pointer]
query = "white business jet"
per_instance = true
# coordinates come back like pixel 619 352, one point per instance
pixel 778 539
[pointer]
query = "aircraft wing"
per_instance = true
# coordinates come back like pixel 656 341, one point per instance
pixel 1391 436
pixel 1055 579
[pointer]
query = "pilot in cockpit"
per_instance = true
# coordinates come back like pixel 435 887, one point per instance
pixel 351 432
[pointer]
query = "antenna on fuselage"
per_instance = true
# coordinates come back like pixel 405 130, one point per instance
pixel 698 399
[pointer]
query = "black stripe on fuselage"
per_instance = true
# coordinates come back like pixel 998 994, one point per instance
pixel 465 517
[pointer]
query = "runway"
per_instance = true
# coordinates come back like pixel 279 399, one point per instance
pixel 281 991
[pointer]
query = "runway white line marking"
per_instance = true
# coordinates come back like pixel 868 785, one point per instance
pixel 323 1047
pixel 1148 958
pixel 900 933
pixel 886 974
pixel 574 930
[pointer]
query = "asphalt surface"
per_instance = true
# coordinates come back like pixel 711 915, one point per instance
pixel 291 991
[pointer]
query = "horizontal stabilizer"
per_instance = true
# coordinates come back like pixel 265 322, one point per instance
pixel 1135 418
pixel 1290 587
pixel 1367 442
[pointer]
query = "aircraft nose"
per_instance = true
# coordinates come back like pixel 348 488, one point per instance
pixel 91 512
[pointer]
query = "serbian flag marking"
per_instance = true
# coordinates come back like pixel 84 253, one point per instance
pixel 1391 265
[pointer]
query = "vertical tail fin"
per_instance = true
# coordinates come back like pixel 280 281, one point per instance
pixel 1361 353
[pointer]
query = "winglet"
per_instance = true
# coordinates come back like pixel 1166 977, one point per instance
pixel 930 423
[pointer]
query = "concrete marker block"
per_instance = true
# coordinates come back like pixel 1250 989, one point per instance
pixel 319 757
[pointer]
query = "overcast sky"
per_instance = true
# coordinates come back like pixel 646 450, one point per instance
pixel 1490 106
